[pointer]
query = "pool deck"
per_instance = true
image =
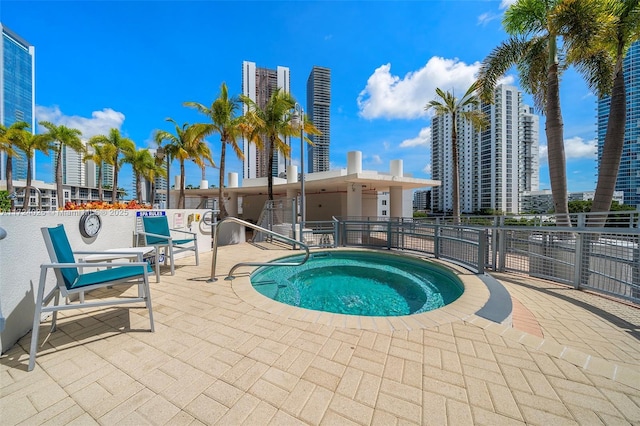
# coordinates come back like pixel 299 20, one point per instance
pixel 224 354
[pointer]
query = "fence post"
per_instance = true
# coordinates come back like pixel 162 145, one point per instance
pixel 436 242
pixel 389 234
pixel 635 273
pixel 336 233
pixel 482 250
pixel 502 249
pixel 581 263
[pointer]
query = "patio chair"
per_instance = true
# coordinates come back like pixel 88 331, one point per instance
pixel 73 280
pixel 157 233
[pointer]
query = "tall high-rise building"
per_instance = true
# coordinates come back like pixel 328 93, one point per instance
pixel 496 164
pixel 629 173
pixel 17 92
pixel 74 170
pixel 319 111
pixel 259 84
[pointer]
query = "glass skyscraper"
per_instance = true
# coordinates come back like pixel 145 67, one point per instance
pixel 629 173
pixel 17 92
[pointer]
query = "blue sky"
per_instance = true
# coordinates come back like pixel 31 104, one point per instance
pixel 130 65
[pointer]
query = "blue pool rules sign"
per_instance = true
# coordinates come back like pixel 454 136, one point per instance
pixel 142 213
pixel 151 213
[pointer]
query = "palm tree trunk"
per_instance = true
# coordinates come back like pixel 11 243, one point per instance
pixel 223 209
pixel 9 177
pixel 270 168
pixel 181 197
pixel 455 169
pixel 59 178
pixel 612 149
pixel 114 192
pixel 555 145
pixel 100 191
pixel 139 189
pixel 27 188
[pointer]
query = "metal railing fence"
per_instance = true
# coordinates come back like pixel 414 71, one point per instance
pixel 605 259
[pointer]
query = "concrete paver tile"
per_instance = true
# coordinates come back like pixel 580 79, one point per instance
pixel 478 393
pixel 261 415
pixel 445 389
pixel 127 407
pixel 402 391
pixel 503 401
pixel 321 378
pixel 458 413
pixel 482 417
pixel 349 382
pixel 367 392
pixel 240 411
pixel 412 374
pixel 351 409
pixel 316 405
pixel 382 418
pixel 284 419
pixel 540 417
pixel 268 392
pixel 332 418
pixel 278 377
pixel 224 393
pixel 158 410
pixel 399 407
pixel 298 398
pixel 206 410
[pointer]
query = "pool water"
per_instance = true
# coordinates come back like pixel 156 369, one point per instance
pixel 359 283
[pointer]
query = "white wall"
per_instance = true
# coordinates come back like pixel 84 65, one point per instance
pixel 23 251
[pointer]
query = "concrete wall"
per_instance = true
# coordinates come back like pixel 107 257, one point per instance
pixel 23 251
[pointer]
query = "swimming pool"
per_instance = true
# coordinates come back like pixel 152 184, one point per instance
pixel 359 283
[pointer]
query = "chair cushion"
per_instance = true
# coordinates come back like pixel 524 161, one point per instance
pixel 107 275
pixel 63 253
pixel 156 225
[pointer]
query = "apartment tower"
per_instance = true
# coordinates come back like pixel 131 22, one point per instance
pixel 319 111
pixel 17 93
pixel 629 173
pixel 496 164
pixel 259 84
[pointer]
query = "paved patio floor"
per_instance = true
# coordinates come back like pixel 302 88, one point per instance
pixel 222 354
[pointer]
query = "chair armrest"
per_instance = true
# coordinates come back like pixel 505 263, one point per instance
pixel 107 253
pixel 184 232
pixel 155 235
pixel 90 264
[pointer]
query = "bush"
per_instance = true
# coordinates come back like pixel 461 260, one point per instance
pixel 130 205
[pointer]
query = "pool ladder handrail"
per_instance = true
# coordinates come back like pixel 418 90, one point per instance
pixel 257 228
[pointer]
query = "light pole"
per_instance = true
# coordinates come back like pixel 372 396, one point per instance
pixel 298 117
pixel 161 153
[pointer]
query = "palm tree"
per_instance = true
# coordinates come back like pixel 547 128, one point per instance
pixel 29 143
pixel 61 136
pixel 185 144
pixel 225 123
pixel 8 136
pixel 464 109
pixel 270 124
pixel 533 49
pixel 100 154
pixel 119 145
pixel 141 160
pixel 598 34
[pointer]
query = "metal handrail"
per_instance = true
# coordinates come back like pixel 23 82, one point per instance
pixel 257 228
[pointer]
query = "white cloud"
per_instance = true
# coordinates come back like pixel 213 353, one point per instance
pixel 423 139
pixel 579 148
pixel 542 154
pixel 390 96
pixel 100 123
pixel 427 169
pixel 575 148
pixel 487 17
pixel 506 3
pixel 386 145
pixel 375 159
